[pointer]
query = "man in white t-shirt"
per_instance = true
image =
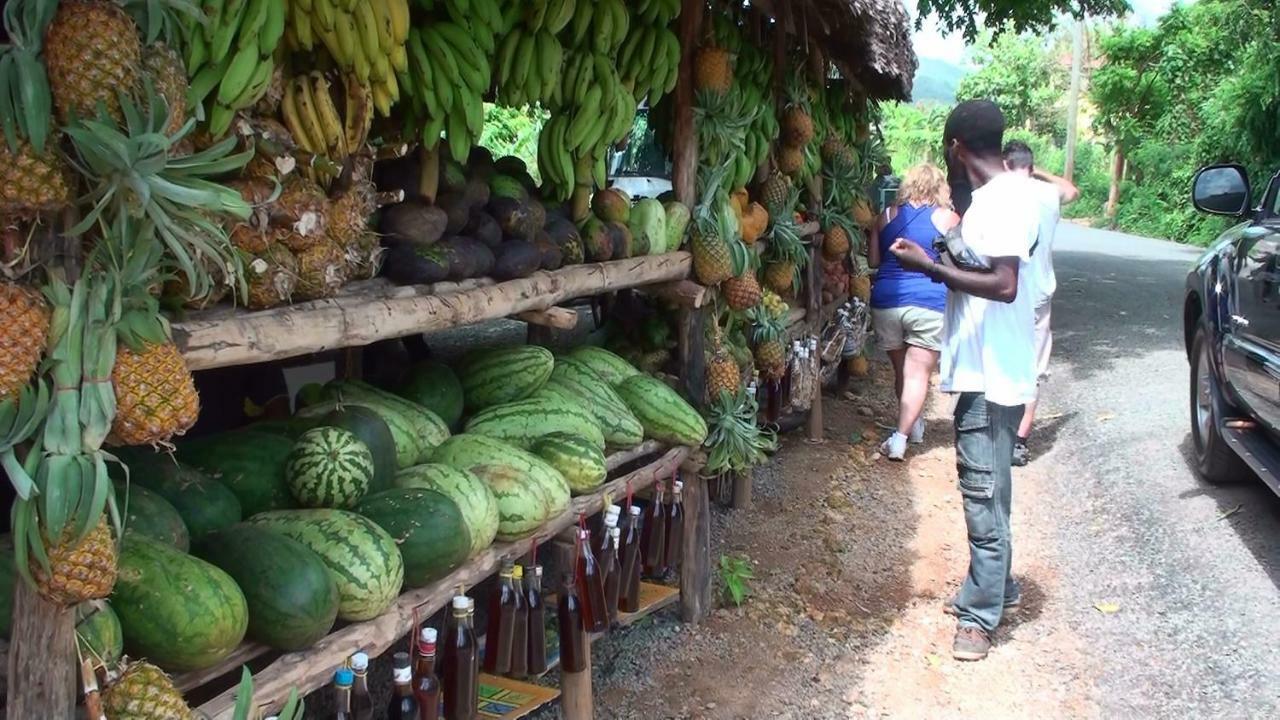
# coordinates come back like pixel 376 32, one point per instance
pixel 987 359
pixel 1053 192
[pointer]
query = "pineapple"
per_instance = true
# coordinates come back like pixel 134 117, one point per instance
pixel 711 261
pixel 272 276
pixel 251 239
pixel 348 226
pixel 860 287
pixel 742 292
pixel 167 73
pixel 791 159
pixel 862 213
pixel 797 126
pixel 155 395
pixel 178 287
pixel 84 571
pixel 91 52
pixel 835 243
pixel 774 191
pixel 723 374
pixel 770 352
pixel 713 70
pixel 303 208
pixel 322 270
pixel 780 277
pixel 23 336
pixel 144 692
pixel 31 182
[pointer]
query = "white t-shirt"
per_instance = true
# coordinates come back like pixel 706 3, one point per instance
pixel 989 346
pixel 1042 259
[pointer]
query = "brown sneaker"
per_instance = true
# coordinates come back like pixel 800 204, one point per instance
pixel 971 643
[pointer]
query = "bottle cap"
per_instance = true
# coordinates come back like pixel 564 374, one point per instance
pixel 471 604
pixel 517 572
pixel 615 508
pixel 400 660
pixel 537 571
pixel 679 485
pixel 343 678
pixel 427 636
pixel 360 662
pixel 584 534
pixel 635 511
pixel 460 602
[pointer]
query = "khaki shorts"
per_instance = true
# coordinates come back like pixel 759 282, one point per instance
pixel 899 327
pixel 1044 341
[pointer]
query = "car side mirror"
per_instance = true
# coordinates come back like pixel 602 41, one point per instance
pixel 1221 190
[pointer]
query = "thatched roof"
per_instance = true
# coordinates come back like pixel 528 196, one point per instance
pixel 869 40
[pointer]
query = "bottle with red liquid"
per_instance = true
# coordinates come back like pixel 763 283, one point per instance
pixel 426 686
pixel 537 621
pixel 629 585
pixel 519 626
pixel 675 526
pixel 595 617
pixel 497 637
pixel 573 639
pixel 342 681
pixel 653 536
pixel 361 701
pixel 403 706
pixel 461 662
pixel 612 569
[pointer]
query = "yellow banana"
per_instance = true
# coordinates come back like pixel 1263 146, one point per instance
pixel 399 20
pixel 324 13
pixel 327 114
pixel 400 59
pixel 344 29
pixel 300 23
pixel 393 87
pixel 302 98
pixel 293 119
pixel 380 66
pixel 367 30
pixel 382 17
pixel 358 112
pixel 382 100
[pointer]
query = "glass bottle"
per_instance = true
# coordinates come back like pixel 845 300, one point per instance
pixel 537 622
pixel 497 638
pixel 675 526
pixel 612 571
pixel 519 626
pixel 426 686
pixel 402 706
pixel 461 662
pixel 361 702
pixel 629 587
pixel 653 535
pixel 595 618
pixel 342 681
pixel 573 639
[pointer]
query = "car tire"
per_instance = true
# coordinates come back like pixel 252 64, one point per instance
pixel 1216 462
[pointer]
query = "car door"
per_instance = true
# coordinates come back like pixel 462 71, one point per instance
pixel 1251 345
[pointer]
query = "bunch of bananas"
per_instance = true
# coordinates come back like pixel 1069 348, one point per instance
pixel 600 24
pixel 234 53
pixel 322 126
pixel 656 12
pixel 485 19
pixel 364 37
pixel 449 73
pixel 650 60
pixel 596 111
pixel 754 77
pixel 529 67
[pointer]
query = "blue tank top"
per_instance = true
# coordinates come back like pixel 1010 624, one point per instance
pixel 896 286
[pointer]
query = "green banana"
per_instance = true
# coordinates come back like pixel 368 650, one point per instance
pixel 197 52
pixel 220 119
pixel 255 16
pixel 212 10
pixel 238 74
pixel 272 29
pixel 226 33
pixel 257 85
pixel 581 124
pixel 581 26
pixel 205 81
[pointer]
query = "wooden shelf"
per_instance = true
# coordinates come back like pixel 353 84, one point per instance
pixel 377 310
pixel 312 668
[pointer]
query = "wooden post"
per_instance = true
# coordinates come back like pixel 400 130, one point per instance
pixel 575 691
pixel 42 651
pixel 742 490
pixel 695 567
pixel 691 336
pixel 1113 196
pixel 685 152
pixel 815 323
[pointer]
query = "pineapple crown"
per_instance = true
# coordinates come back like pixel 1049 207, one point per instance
pixel 735 440
pixel 765 327
pixel 26 104
pixel 169 21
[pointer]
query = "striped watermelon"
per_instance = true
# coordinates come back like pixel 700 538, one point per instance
pixel 429 429
pixel 473 498
pixel 611 368
pixel 362 558
pixel 581 463
pixel 329 468
pixel 522 422
pixel 490 460
pixel 663 413
pixel 427 527
pixel 98 632
pixel 494 377
pixel 620 426
pixel 523 505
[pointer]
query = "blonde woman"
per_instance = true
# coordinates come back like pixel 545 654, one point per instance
pixel 906 306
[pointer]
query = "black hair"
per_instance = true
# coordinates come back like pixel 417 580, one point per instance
pixel 1018 155
pixel 978 125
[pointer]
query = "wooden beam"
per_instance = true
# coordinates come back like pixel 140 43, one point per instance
pixel 222 339
pixel 691 341
pixel 685 139
pixel 685 293
pixel 309 669
pixel 742 489
pixel 557 318
pixel 695 566
pixel 575 690
pixel 814 315
pixel 42 650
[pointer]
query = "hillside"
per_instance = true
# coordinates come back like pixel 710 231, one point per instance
pixel 936 81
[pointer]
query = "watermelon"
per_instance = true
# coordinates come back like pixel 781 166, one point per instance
pixel 204 503
pixel 292 598
pixel 362 558
pixel 329 468
pixel 474 499
pixel 374 433
pixel 406 442
pixel 663 413
pixel 581 463
pixel 426 525
pixel 176 610
pixel 250 464
pixel 610 367
pixel 523 506
pixel 436 387
pixel 494 377
pixel 490 459
pixel 619 425
pixel 428 427
pixel 98 632
pixel 146 513
pixel 522 422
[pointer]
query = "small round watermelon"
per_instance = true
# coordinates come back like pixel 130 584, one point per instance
pixel 329 467
pixel 98 632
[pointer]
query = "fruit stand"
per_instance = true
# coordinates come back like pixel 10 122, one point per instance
pixel 261 181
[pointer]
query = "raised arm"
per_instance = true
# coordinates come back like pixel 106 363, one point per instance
pixel 1067 192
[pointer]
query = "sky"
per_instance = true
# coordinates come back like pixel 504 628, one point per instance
pixel 930 42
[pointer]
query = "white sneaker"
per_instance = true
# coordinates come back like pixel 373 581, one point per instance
pixel 895 448
pixel 917 432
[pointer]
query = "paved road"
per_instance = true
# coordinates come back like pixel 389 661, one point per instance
pixel 1194 569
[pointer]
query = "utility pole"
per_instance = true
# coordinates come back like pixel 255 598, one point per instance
pixel 1073 98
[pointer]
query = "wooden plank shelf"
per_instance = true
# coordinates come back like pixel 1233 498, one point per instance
pixel 310 669
pixel 377 311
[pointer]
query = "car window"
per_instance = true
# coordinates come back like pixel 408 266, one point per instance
pixel 640 156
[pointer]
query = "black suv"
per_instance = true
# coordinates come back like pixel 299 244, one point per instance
pixel 1231 321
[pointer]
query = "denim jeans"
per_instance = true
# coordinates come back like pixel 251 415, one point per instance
pixel 985 434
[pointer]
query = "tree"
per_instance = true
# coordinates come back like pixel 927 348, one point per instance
pixel 1018 73
pixel 968 16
